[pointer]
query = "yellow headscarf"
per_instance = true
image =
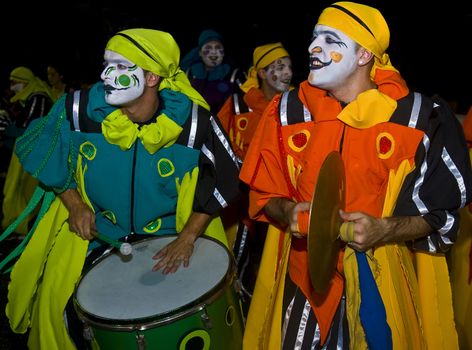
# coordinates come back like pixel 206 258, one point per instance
pixel 157 52
pixel 363 24
pixel 261 58
pixel 32 84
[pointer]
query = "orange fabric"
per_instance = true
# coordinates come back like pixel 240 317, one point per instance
pixel 467 126
pixel 242 127
pixel 263 164
pixel 303 222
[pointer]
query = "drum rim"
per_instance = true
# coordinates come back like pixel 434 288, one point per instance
pixel 143 323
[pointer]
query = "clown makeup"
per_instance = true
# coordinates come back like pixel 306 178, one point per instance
pixel 212 53
pixel 279 74
pixel 16 87
pixel 333 57
pixel 124 81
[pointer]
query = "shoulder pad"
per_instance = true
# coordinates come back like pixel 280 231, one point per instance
pixel 292 110
pixel 413 110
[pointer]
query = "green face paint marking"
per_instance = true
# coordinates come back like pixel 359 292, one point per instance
pixel 124 80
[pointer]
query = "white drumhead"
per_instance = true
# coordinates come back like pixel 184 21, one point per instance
pixel 126 288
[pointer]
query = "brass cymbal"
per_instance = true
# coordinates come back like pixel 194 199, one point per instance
pixel 325 222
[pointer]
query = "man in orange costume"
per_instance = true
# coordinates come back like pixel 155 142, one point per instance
pixel 407 175
pixel 270 75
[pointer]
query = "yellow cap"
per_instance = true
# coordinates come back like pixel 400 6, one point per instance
pixel 363 24
pixel 266 54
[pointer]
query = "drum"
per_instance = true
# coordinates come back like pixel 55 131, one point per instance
pixel 125 305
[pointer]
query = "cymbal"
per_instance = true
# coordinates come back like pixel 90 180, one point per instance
pixel 325 222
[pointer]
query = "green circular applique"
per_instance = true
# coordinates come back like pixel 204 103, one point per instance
pixel 153 226
pixel 165 167
pixel 110 216
pixel 88 150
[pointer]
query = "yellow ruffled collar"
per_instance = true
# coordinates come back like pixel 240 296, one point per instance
pixel 119 130
pixel 369 108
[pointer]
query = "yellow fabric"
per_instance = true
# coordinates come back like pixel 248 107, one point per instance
pixel 263 324
pixel 43 279
pixel 399 290
pixel 33 84
pixel 17 191
pixel 436 303
pixel 393 263
pixel 369 103
pixel 186 189
pixel 353 300
pixel 119 130
pixel 251 82
pixel 262 56
pixel 161 56
pixel 415 291
pixel 460 265
pixel 376 41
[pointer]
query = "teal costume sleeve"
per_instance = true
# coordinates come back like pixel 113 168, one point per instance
pixel 44 148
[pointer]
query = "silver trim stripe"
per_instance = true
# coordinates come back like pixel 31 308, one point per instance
pixel 456 173
pixel 220 198
pixel 288 312
pixel 193 126
pixel 237 109
pixel 431 247
pixel 208 154
pixel 302 326
pixel 306 114
pixel 283 109
pixel 35 100
pixel 420 180
pixel 415 110
pixel 224 141
pixel 75 110
pixel 446 228
pixel 243 242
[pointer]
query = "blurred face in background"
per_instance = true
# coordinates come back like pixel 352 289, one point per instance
pixel 278 74
pixel 54 77
pixel 16 86
pixel 124 81
pixel 212 53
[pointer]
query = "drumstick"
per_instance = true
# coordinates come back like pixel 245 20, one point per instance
pixel 125 248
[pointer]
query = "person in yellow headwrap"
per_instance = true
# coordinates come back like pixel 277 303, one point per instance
pixel 270 74
pixel 32 99
pixel 406 173
pixel 136 155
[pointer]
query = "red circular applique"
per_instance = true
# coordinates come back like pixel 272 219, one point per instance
pixel 299 139
pixel 385 145
pixel 242 123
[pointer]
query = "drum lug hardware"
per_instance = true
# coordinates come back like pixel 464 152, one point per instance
pixel 206 320
pixel 141 341
pixel 88 333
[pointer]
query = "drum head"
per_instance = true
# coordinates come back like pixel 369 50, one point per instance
pixel 125 287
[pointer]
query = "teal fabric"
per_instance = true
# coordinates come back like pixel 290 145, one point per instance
pixel 198 71
pixel 49 143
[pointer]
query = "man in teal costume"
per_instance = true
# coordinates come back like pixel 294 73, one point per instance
pixel 137 153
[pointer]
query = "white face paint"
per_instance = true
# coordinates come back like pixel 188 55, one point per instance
pixel 279 74
pixel 212 53
pixel 124 81
pixel 17 87
pixel 333 57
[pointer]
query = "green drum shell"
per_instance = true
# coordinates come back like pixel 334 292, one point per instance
pixel 212 321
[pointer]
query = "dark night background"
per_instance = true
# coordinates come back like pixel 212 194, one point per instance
pixel 429 44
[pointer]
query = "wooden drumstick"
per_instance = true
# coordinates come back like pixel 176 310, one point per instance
pixel 124 248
